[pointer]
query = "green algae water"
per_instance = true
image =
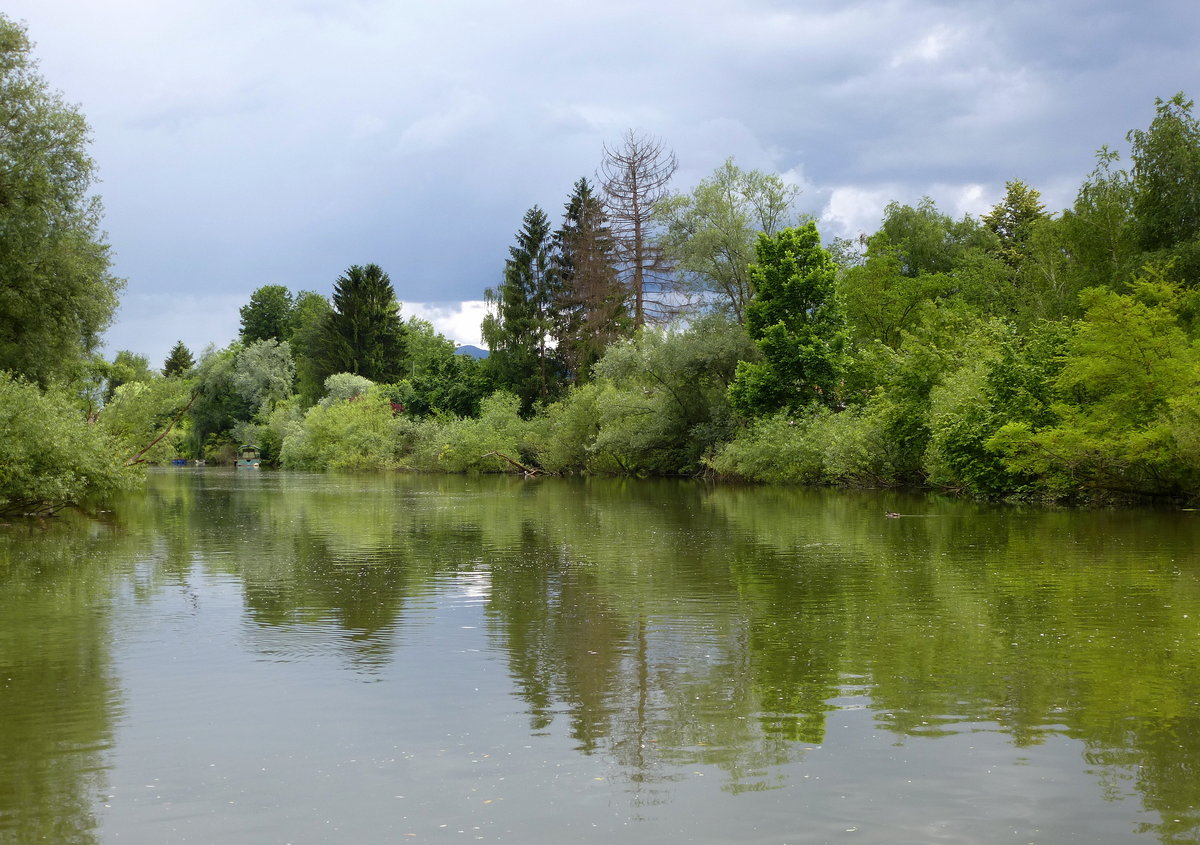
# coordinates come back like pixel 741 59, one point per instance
pixel 283 658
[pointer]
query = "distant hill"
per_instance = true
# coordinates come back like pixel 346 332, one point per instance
pixel 473 351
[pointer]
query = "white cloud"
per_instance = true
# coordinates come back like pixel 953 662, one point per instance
pixel 458 321
pixel 852 210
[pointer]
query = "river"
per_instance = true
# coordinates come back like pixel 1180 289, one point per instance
pixel 267 657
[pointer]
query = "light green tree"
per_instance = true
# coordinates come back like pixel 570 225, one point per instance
pixel 126 367
pixel 711 232
pixel 50 456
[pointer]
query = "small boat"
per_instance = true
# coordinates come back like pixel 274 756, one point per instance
pixel 248 457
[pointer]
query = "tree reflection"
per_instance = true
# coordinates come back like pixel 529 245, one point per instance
pixel 58 692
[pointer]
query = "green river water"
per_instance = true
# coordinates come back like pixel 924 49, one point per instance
pixel 283 658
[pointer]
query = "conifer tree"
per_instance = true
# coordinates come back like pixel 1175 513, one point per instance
pixel 590 311
pixel 635 177
pixel 363 334
pixel 1012 220
pixel 521 321
pixel 179 361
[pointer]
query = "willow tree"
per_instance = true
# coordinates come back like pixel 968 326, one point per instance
pixel 711 231
pixel 1166 175
pixel 634 178
pixel 58 294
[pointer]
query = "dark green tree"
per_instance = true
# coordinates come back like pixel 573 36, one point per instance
pixel 57 294
pixel 309 315
pixel 519 327
pixel 268 315
pixel 796 324
pixel 363 334
pixel 590 312
pixel 179 362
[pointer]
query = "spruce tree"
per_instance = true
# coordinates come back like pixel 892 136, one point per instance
pixel 590 312
pixel 364 335
pixel 522 317
pixel 179 361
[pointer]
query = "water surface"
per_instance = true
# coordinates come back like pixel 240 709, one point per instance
pixel 267 657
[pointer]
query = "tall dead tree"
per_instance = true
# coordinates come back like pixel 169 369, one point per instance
pixel 635 178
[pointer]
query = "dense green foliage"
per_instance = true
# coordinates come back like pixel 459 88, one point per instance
pixel 57 294
pixel 179 361
pixel 796 323
pixel 50 456
pixel 268 314
pixel 1023 353
pixel 363 333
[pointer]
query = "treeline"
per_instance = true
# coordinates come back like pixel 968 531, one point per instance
pixel 645 331
pixel 1021 354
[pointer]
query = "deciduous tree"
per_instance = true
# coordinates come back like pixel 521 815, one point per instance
pixel 268 314
pixel 58 294
pixel 309 316
pixel 796 323
pixel 1166 175
pixel 711 232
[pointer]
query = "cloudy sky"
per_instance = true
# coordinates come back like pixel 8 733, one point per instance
pixel 252 142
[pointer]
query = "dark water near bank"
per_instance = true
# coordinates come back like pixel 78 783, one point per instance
pixel 265 658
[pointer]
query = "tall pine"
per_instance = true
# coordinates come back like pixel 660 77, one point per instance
pixel 363 334
pixel 179 362
pixel 591 311
pixel 522 316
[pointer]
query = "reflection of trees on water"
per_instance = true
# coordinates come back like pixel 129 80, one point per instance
pixel 669 625
pixel 58 693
